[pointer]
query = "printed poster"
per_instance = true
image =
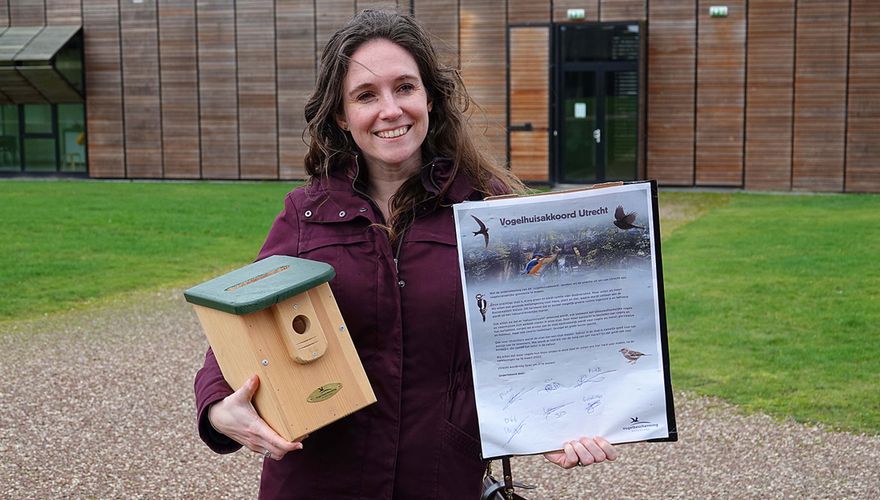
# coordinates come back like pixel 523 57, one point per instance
pixel 566 321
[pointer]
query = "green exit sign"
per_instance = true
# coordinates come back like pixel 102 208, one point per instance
pixel 718 11
pixel 576 14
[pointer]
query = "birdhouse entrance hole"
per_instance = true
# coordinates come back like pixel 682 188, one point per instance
pixel 300 324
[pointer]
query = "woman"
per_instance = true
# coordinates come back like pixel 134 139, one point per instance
pixel 389 154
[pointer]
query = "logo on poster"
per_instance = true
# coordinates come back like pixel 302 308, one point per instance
pixel 636 424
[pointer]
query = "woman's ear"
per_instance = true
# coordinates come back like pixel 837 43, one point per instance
pixel 340 120
pixel 430 105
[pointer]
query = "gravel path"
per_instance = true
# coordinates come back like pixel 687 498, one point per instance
pixel 98 404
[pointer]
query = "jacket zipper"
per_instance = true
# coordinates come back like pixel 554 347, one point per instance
pixel 400 283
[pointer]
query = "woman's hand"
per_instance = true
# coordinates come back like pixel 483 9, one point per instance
pixel 584 451
pixel 236 418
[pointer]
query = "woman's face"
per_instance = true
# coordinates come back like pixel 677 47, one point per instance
pixel 385 106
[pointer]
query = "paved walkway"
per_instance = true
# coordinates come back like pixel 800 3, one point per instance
pixel 99 404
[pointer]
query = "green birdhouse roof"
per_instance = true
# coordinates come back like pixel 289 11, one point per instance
pixel 261 284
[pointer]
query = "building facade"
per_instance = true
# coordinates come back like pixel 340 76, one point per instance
pixel 767 95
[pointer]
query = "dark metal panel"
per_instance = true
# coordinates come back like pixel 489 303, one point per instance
pixel 49 84
pixel 17 88
pixel 47 43
pixel 14 40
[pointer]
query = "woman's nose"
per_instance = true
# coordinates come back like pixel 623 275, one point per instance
pixel 390 109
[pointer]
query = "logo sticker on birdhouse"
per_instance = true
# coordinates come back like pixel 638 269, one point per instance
pixel 324 392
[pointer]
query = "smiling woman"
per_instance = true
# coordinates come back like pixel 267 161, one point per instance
pixel 390 153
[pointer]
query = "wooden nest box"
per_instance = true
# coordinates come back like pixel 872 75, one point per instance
pixel 278 318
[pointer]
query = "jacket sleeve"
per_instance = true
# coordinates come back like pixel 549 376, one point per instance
pixel 210 386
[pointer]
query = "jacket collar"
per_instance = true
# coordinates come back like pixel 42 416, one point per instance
pixel 435 176
pixel 338 196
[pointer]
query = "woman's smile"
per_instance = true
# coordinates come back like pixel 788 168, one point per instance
pixel 391 134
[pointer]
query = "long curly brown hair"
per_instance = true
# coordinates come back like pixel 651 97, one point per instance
pixel 448 133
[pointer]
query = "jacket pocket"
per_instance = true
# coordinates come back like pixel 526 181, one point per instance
pixel 460 469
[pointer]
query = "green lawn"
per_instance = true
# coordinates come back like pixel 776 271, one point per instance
pixel 773 304
pixel 772 300
pixel 63 243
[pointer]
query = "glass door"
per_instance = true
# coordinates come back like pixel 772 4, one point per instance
pixel 578 132
pixel 40 153
pixel 621 125
pixel 597 96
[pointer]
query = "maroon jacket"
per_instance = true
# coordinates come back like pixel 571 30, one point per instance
pixel 420 440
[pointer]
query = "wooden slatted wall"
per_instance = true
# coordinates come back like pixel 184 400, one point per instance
pixel 530 102
pixel 375 5
pixel 671 92
pixel 257 120
pixel 863 116
pixel 720 95
pixel 440 18
pixel 295 42
pixel 103 70
pixel 529 11
pixel 63 12
pixel 179 80
pixel 484 70
pixel 329 16
pixel 218 93
pixel 622 10
pixel 769 95
pixel 27 13
pixel 806 119
pixel 820 95
pixel 140 89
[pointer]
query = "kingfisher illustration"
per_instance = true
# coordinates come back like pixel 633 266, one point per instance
pixel 483 230
pixel 482 305
pixel 534 265
pixel 625 220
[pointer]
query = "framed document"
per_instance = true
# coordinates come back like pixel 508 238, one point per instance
pixel 566 318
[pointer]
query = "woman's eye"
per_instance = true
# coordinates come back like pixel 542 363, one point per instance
pixel 366 96
pixel 407 88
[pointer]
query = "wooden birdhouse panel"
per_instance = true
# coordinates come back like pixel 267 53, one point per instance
pixel 310 373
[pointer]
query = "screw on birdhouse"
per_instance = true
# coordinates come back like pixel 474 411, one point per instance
pixel 342 328
pixel 265 362
pixel 314 354
pixel 296 306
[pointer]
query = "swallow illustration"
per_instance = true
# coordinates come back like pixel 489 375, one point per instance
pixel 625 220
pixel 483 230
pixel 482 305
pixel 534 265
pixel 632 356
